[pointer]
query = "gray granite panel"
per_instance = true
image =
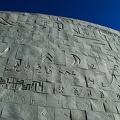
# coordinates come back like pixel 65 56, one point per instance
pixel 57 68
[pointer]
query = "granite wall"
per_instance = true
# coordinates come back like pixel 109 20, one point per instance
pixel 56 68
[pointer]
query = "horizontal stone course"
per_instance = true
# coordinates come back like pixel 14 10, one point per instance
pixel 54 68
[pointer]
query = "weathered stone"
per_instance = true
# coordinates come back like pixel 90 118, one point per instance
pixel 57 68
pixel 78 115
pixel 62 114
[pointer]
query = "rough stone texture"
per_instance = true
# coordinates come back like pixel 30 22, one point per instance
pixel 56 68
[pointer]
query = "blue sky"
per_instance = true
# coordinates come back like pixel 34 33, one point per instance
pixel 103 12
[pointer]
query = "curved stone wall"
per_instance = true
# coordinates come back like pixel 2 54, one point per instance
pixel 56 68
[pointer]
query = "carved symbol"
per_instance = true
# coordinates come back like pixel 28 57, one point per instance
pixel 110 116
pixel 39 69
pixel 48 56
pixel 3 82
pixel 48 70
pixel 60 89
pixel 91 66
pixel 4 22
pixel 12 83
pixel 26 87
pixel 75 91
pixel 16 66
pixel 76 59
pixel 67 72
pixel 106 38
pixel 89 93
pixel 44 22
pixel 66 116
pixel 87 105
pixel 85 31
pixel 102 94
pixel 91 80
pixel 5 51
pixel 113 76
pixel 118 96
pixel 115 68
pixel 58 25
pixel 77 33
pixel 37 86
pixel 72 73
pixel 27 67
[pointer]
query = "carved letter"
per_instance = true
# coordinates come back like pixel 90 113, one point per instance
pixel 76 59
pixel 58 25
pixel 47 56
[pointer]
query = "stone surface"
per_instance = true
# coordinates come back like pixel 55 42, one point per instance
pixel 56 68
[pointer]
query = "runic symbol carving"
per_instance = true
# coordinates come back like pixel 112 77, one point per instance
pixel 47 56
pixel 76 59
pixel 5 51
pixel 77 32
